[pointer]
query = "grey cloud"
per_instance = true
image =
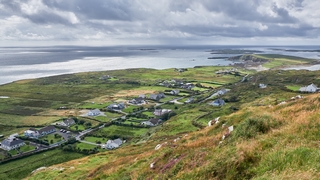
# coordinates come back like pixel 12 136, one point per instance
pixel 163 19
pixel 107 10
pixel 44 17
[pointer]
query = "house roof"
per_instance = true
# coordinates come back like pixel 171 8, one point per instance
pixel 118 141
pixel 219 102
pixel 69 121
pixel 155 121
pixel 46 129
pixel 95 111
pixel 11 142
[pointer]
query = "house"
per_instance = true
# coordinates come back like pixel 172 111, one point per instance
pixel 143 96
pixel 159 112
pixel 311 88
pixel 138 100
pixel 152 122
pixel 116 107
pixel 174 92
pixel 68 122
pixel 113 144
pixel 262 86
pixel 11 143
pixel 218 102
pixel 157 97
pixel 47 130
pixel 94 112
pixel 189 100
pixel 34 133
pixel 222 92
pixel 188 86
pixel 104 77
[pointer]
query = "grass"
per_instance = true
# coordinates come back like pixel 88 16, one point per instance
pixel 90 105
pixel 78 127
pixel 121 131
pixel 293 87
pixel 51 137
pixel 21 168
pixel 85 146
pixel 95 139
pixel 283 60
pixel 22 149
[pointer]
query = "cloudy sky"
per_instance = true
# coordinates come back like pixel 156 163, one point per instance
pixel 116 22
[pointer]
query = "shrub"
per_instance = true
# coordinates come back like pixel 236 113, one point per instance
pixel 252 127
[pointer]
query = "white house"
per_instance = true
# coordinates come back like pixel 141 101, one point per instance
pixel 34 133
pixel 311 88
pixel 113 144
pixel 159 112
pixel 94 112
pixel 262 86
pixel 174 92
pixel 9 143
pixel 218 102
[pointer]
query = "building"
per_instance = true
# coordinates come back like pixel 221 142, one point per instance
pixel 94 112
pixel 68 122
pixel 113 144
pixel 11 143
pixel 116 107
pixel 160 112
pixel 222 92
pixel 152 122
pixel 157 97
pixel 34 133
pixel 311 88
pixel 262 86
pixel 139 100
pixel 174 92
pixel 218 102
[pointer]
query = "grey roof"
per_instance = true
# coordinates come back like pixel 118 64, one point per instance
pixel 69 121
pixel 95 111
pixel 155 121
pixel 118 141
pixel 219 102
pixel 12 142
pixel 46 129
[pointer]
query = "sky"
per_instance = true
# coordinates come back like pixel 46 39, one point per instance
pixel 172 22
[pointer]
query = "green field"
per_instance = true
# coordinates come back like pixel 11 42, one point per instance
pixel 85 146
pixel 21 168
pixel 51 139
pixel 294 87
pixel 95 139
pixel 121 131
pixel 277 60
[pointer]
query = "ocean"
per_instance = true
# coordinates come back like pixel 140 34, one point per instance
pixel 17 63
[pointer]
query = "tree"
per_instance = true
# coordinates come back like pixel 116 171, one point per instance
pixel 76 127
pixel 88 124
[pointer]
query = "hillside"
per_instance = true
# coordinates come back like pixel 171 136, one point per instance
pixel 269 142
pixel 275 137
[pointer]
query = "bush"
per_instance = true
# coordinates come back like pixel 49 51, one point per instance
pixel 252 127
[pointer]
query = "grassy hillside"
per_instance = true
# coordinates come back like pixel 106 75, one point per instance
pixel 270 140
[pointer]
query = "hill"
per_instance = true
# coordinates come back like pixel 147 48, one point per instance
pixel 269 142
pixel 275 136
